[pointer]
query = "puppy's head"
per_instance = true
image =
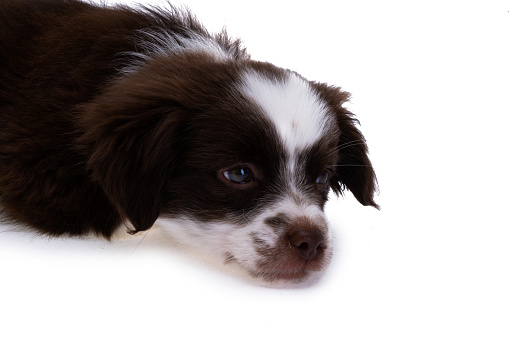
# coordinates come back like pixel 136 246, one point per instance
pixel 235 158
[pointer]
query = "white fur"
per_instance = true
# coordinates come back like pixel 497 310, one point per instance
pixel 298 114
pixel 301 118
pixel 217 240
pixel 155 44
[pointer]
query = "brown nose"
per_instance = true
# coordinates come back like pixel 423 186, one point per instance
pixel 308 243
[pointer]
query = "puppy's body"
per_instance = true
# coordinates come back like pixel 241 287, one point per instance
pixel 109 115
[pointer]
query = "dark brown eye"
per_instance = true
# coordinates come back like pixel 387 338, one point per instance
pixel 240 175
pixel 323 178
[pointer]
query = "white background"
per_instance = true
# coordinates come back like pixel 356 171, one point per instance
pixel 430 85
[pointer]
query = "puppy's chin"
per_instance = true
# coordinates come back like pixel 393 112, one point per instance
pixel 288 278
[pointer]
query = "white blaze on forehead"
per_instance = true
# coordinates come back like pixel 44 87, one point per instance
pixel 297 112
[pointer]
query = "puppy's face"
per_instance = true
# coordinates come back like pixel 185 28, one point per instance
pixel 238 162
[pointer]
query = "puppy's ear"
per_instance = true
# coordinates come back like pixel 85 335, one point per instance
pixel 354 169
pixel 131 150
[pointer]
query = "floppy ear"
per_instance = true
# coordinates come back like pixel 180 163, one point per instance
pixel 132 150
pixel 354 169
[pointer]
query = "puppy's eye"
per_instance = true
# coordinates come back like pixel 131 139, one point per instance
pixel 323 178
pixel 240 175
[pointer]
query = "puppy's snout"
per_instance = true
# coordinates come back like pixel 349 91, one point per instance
pixel 308 243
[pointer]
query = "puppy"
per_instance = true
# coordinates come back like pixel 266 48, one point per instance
pixel 114 116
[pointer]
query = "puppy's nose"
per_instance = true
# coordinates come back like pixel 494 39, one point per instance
pixel 308 243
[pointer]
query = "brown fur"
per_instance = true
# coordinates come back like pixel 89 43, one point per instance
pixel 83 148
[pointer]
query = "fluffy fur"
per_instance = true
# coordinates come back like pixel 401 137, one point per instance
pixel 112 116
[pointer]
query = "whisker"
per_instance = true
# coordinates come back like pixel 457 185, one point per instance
pixel 140 241
pixel 346 145
pixel 350 143
pixel 351 165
